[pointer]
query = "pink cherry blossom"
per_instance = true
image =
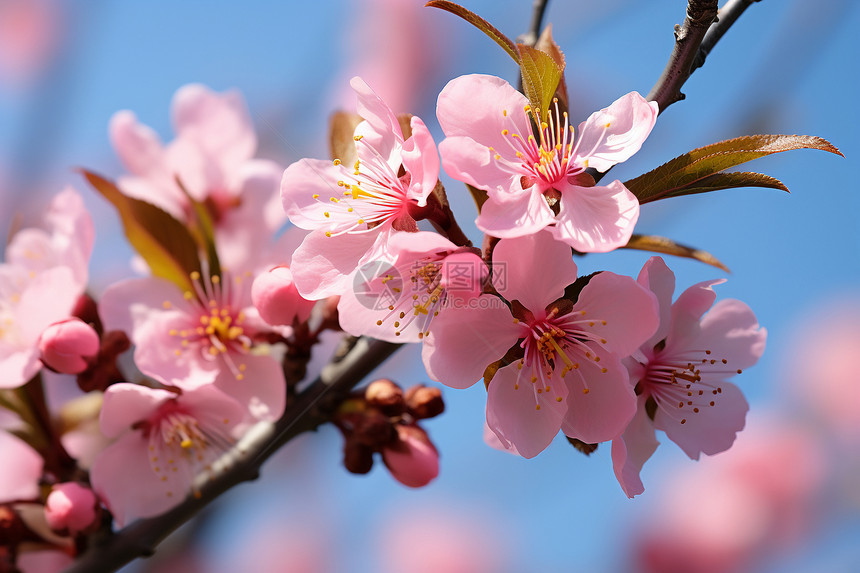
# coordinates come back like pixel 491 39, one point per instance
pixel 352 210
pixel 276 298
pixel 21 469
pixel 413 461
pixel 538 183
pixel 68 346
pixel 681 374
pixel 163 442
pixel 565 371
pixel 212 158
pixel 398 301
pixel 190 339
pixel 71 506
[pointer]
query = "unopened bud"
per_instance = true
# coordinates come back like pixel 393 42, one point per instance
pixel 413 461
pixel 373 429
pixel 357 458
pixel 68 346
pixel 71 507
pixel 385 395
pixel 275 295
pixel 424 401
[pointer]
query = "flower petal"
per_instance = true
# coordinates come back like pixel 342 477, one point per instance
pixel 596 219
pixel 615 133
pixel 632 449
pixel 421 160
pixel 731 331
pixel 307 188
pixel 323 266
pixel 126 404
pixel 137 145
pixel 380 128
pixel 262 388
pixel 660 280
pixel 523 214
pixel 21 470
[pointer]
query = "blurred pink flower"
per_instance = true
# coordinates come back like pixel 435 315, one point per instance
pixel 277 299
pixel 680 374
pixel 71 506
pixel 571 376
pixel 212 157
pixel 30 31
pixel 20 471
pixel 490 145
pixel 67 346
pixel 190 339
pixel 164 441
pixel 413 460
pixel 352 210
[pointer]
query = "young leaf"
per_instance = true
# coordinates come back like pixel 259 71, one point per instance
pixel 203 231
pixel 506 43
pixel 541 76
pixel 719 181
pixel 163 242
pixel 689 170
pixel 546 43
pixel 666 246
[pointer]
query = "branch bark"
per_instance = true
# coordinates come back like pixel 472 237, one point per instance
pixel 310 409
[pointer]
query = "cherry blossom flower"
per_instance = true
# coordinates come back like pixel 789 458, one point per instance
pixel 681 374
pixel 352 210
pixel 68 346
pixel 190 339
pixel 566 372
pixel 72 507
pixel 535 183
pixel 44 274
pixel 20 471
pixel 398 301
pixel 164 440
pixel 212 158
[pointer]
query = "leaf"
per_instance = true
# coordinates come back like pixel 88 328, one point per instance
pixel 546 43
pixel 670 179
pixel 506 43
pixel 163 242
pixel 203 231
pixel 666 246
pixel 581 446
pixel 731 180
pixel 541 76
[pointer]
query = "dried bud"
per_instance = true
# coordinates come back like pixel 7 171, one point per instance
pixel 424 401
pixel 373 429
pixel 412 460
pixel 357 458
pixel 277 299
pixel 385 395
pixel 68 346
pixel 72 507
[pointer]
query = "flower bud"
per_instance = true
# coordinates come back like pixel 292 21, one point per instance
pixel 413 461
pixel 275 295
pixel 71 507
pixel 385 395
pixel 357 458
pixel 424 401
pixel 68 346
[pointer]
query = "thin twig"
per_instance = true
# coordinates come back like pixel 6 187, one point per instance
pixel 530 38
pixel 727 16
pixel 311 409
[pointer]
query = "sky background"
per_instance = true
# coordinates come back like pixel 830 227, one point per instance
pixel 785 67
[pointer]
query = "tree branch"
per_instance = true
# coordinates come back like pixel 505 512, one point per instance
pixel 727 16
pixel 530 38
pixel 310 409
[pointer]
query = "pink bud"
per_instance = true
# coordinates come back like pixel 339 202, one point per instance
pixel 276 297
pixel 72 507
pixel 413 461
pixel 66 346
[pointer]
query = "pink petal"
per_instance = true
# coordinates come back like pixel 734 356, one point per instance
pixel 513 415
pixel 322 266
pixel 730 330
pixel 137 145
pixel 213 408
pixel 124 479
pixel 629 310
pixel 660 280
pixel 596 219
pixel 523 214
pixel 710 431
pixel 607 408
pixel 200 173
pixel 534 270
pixel 380 129
pixel 220 124
pixel 126 404
pixel 466 160
pixel 301 181
pixel 463 342
pixel 421 160
pixel 262 388
pixel 21 469
pixel 632 449
pixel 614 134
pixel 259 189
pixel 688 310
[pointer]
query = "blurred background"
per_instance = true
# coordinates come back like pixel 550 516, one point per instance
pixel 786 498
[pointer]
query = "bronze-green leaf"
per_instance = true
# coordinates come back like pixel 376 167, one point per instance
pixel 731 180
pixel 666 246
pixel 506 43
pixel 546 43
pixel 541 76
pixel 202 230
pixel 163 242
pixel 689 170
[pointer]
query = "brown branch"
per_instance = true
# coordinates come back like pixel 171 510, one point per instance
pixel 530 38
pixel 727 16
pixel 311 408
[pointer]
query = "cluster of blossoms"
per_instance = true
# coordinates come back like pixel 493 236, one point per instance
pixel 222 345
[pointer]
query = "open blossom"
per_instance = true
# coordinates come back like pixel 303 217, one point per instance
pixel 352 210
pixel 565 369
pixel 44 274
pixel 681 374
pixel 193 338
pixel 540 182
pixel 164 440
pixel 398 301
pixel 21 469
pixel 212 157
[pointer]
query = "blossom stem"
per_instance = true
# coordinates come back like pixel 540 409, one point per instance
pixel 311 408
pixel 530 38
pixel 727 16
